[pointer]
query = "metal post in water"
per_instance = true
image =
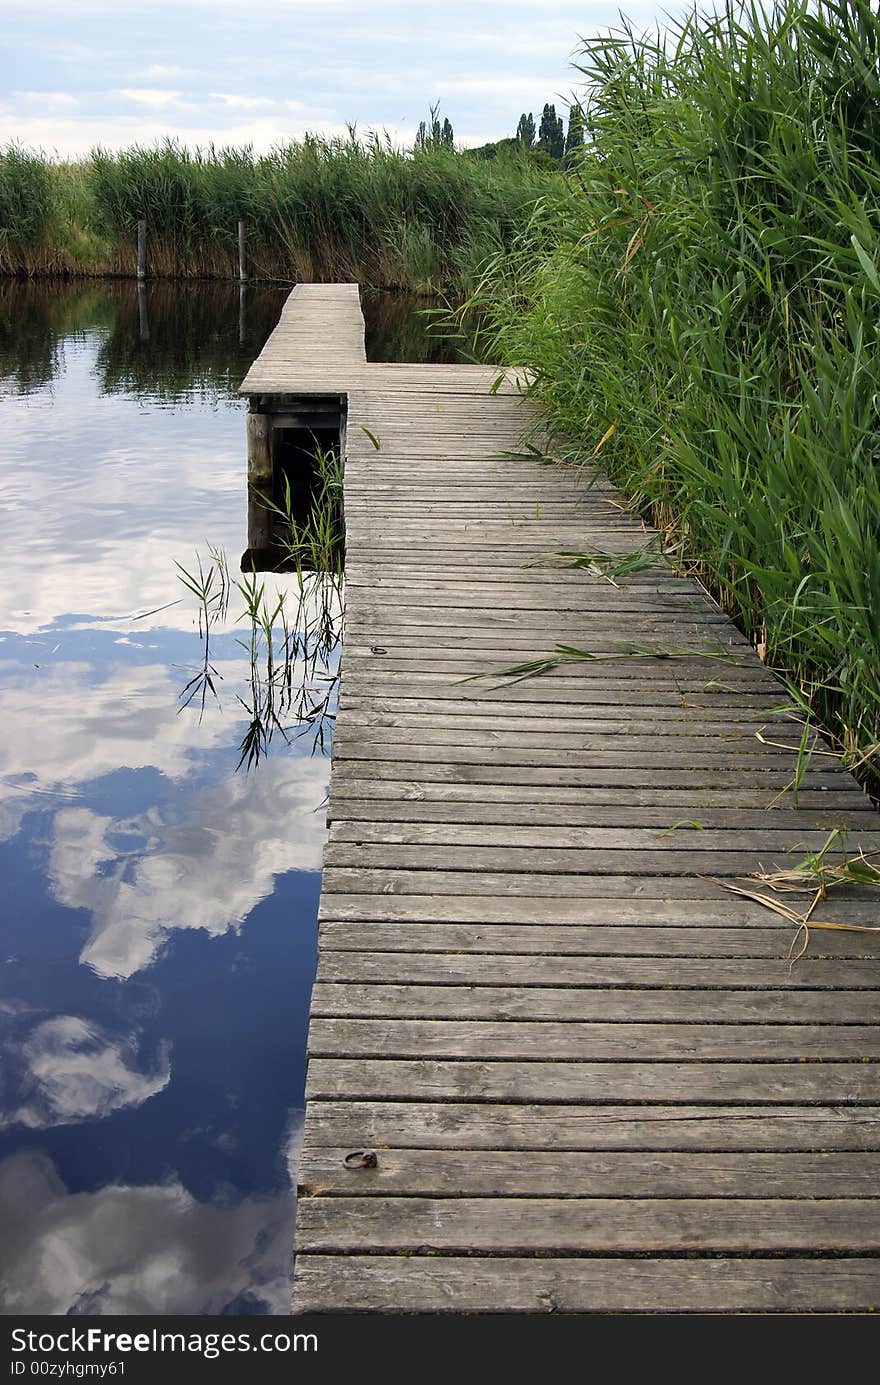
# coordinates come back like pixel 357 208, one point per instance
pixel 242 297
pixel 242 262
pixel 142 250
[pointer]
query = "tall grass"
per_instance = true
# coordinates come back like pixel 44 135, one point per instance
pixel 701 307
pixel 315 209
pixel 25 205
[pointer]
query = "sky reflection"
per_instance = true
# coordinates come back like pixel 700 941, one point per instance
pixel 158 920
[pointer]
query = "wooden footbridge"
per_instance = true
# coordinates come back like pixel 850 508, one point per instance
pixel 554 1065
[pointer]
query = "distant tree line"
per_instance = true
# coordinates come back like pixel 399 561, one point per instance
pixel 432 135
pixel 547 141
pixel 552 137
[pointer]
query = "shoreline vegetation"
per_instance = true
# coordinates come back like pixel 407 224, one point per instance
pixel 700 313
pixel 424 220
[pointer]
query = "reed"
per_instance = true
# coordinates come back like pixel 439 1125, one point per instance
pixel 699 305
pixel 338 209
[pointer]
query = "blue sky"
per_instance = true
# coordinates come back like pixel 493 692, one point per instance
pixel 89 72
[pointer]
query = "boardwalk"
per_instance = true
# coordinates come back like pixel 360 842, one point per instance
pixel 591 1078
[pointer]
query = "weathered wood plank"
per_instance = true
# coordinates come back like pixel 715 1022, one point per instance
pixel 574 1039
pixel 815 808
pixel 471 1124
pixel 381 1283
pixel 675 742
pixel 688 763
pixel 511 1226
pixel 458 1173
pixel 506 1080
pixel 783 827
pixel 667 972
pixel 488 717
pixel 795 843
pixel 384 930
pixel 533 884
pixel 675 859
pixel 339 1000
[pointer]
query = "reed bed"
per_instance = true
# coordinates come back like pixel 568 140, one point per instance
pixel 314 209
pixel 699 310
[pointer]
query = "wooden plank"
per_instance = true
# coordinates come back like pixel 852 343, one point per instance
pixel 786 828
pixel 532 884
pixel 687 1127
pixel 736 756
pixel 339 1000
pixel 382 1283
pixel 814 808
pixel 676 859
pixel 675 741
pixel 574 1039
pixel 625 972
pixel 393 933
pixel 456 1173
pixel 796 842
pixel 517 1226
pixel 487 717
pixel 507 1080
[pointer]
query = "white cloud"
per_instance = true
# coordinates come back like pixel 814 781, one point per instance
pixel 77 138
pixel 155 97
pixel 244 103
pixel 48 102
pixel 70 1071
pixel 127 720
pixel 151 1249
pixel 206 870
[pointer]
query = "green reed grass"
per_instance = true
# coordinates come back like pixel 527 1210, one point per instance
pixel 701 305
pixel 315 209
pixel 315 543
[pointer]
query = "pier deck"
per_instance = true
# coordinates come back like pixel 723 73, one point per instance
pixel 593 1080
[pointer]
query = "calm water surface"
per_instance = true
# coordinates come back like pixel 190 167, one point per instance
pixel 157 918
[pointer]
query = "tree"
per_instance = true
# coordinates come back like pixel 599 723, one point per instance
pixel 525 131
pixel 575 137
pixel 551 132
pixel 432 135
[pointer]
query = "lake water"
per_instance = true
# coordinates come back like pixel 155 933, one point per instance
pixel 157 916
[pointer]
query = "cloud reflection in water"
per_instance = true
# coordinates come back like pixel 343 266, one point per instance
pixel 150 1249
pixel 158 924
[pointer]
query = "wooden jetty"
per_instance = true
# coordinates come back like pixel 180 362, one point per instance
pixel 554 1065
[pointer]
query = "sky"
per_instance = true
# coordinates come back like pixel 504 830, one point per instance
pixel 80 73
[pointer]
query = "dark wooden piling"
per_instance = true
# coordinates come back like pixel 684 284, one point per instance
pixel 141 249
pixel 242 252
pixel 260 481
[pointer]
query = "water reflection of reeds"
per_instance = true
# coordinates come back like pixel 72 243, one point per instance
pixel 169 341
pixel 292 643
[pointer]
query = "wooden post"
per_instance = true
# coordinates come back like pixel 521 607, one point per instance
pixel 143 319
pixel 242 262
pixel 260 480
pixel 242 315
pixel 142 250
